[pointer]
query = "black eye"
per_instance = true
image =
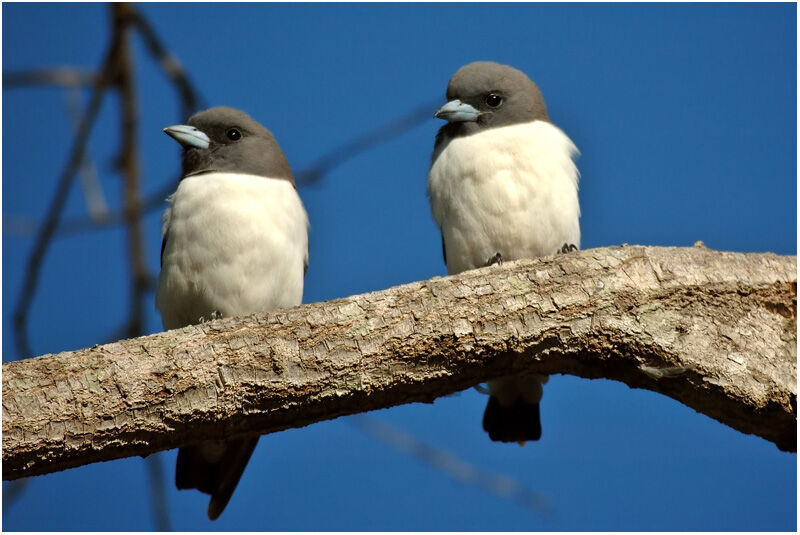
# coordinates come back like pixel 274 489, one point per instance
pixel 493 100
pixel 233 134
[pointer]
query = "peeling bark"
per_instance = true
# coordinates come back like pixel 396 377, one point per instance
pixel 714 330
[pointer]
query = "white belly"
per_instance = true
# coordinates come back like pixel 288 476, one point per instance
pixel 512 190
pixel 237 244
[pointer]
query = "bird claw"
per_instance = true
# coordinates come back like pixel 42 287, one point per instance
pixel 496 259
pixel 567 248
pixel 214 316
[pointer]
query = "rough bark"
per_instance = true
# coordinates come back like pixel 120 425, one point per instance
pixel 714 330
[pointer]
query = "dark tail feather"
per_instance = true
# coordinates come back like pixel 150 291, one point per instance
pixel 192 472
pixel 217 478
pixel 518 422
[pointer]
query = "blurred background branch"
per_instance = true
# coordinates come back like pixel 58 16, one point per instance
pixel 92 189
pixel 47 229
pixel 447 463
pixel 66 77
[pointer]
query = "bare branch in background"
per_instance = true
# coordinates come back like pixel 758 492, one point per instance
pixel 22 226
pixel 444 461
pixel 48 227
pixel 46 231
pixel 190 99
pixel 59 77
pixel 363 143
pixel 129 160
pixel 158 494
pixel 13 490
pixel 92 190
pixel 151 203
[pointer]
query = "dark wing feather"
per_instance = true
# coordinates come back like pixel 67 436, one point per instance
pixel 164 246
pixel 217 478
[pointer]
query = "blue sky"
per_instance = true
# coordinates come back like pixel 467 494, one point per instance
pixel 685 116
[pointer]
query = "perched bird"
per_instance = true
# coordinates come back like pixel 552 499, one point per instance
pixel 235 241
pixel 502 186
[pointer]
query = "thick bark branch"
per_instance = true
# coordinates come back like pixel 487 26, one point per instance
pixel 714 330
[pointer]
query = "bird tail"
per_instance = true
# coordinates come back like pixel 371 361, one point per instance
pixel 512 413
pixel 214 472
pixel 518 422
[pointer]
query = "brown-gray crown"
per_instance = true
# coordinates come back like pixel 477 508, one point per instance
pixel 239 144
pixel 503 94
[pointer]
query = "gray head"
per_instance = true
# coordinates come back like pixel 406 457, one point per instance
pixel 226 139
pixel 485 95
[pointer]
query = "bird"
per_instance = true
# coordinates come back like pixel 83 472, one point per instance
pixel 234 242
pixel 502 185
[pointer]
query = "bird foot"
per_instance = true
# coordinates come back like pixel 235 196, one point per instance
pixel 567 248
pixel 496 259
pixel 213 316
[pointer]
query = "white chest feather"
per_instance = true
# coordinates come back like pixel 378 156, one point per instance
pixel 512 190
pixel 236 244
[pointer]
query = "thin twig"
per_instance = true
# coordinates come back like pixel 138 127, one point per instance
pixel 58 76
pixel 130 169
pixel 190 97
pixel 48 228
pixel 451 465
pixel 139 273
pixel 158 494
pixel 22 226
pixel 364 142
pixel 92 190
pixel 190 100
pixel 12 491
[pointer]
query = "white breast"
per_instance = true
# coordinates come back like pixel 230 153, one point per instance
pixel 512 190
pixel 237 244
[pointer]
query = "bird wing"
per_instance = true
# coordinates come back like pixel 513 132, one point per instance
pixel 164 246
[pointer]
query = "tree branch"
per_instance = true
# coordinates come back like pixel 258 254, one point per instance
pixel 57 76
pixel 47 229
pixel 92 189
pixel 129 162
pixel 377 136
pixel 714 330
pixel 446 462
pixel 189 96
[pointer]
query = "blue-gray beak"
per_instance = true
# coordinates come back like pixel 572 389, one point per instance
pixel 188 136
pixel 457 111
